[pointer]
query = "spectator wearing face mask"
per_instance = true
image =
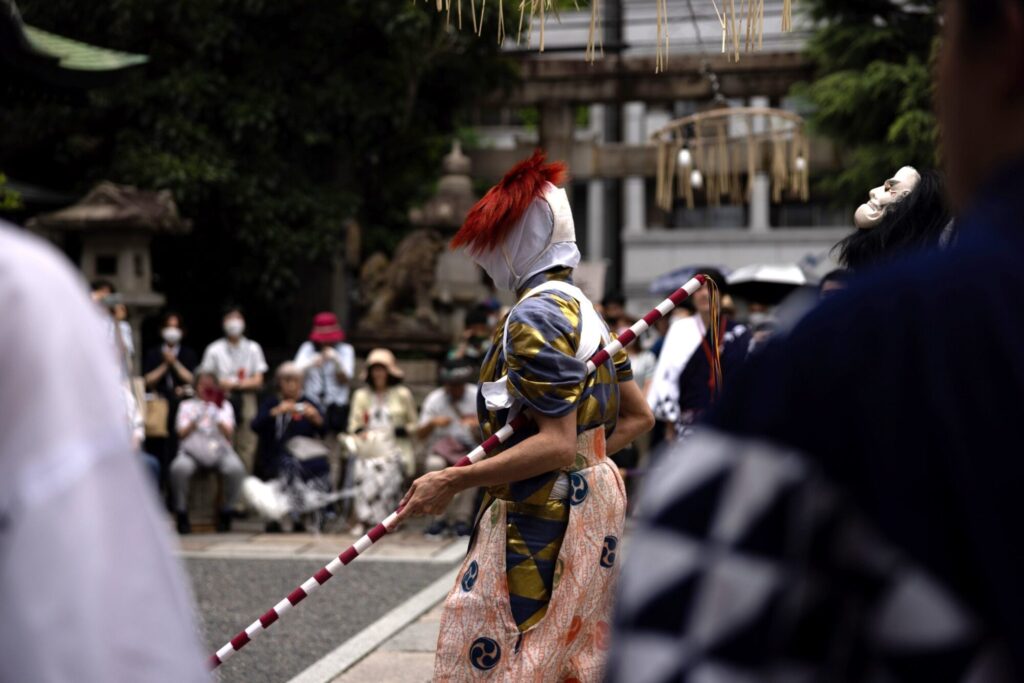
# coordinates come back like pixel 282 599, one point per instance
pixel 239 364
pixel 168 370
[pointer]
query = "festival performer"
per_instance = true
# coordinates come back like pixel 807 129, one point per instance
pixel 533 598
pixel 685 383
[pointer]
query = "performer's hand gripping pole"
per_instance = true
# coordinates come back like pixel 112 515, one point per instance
pixel 478 453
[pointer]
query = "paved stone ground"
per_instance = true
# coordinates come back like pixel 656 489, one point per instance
pixel 236 577
pixel 408 657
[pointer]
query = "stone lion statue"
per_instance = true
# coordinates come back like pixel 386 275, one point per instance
pixel 408 278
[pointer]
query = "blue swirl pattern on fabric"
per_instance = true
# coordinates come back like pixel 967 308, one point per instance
pixel 484 654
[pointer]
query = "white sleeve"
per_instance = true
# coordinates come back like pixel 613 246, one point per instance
pixel 226 414
pixel 207 364
pixel 304 355
pixel 260 365
pixel 430 408
pixel 185 416
pixel 90 589
pixel 348 359
pixel 137 425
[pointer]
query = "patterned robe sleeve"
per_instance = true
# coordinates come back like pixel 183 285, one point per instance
pixel 543 372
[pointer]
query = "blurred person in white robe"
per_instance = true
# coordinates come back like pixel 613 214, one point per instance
pixel 90 587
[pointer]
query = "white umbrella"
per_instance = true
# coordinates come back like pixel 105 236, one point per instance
pixel 766 283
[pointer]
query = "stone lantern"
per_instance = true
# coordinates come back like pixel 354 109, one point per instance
pixel 459 284
pixel 115 225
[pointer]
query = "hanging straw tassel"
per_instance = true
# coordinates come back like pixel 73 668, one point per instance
pixel 659 188
pixel 716 332
pixel 672 168
pixel 592 36
pixel 787 15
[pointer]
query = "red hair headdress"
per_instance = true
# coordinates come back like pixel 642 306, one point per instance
pixel 490 220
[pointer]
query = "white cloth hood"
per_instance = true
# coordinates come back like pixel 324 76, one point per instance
pixel 544 238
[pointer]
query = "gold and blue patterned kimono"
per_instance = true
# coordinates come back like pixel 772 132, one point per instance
pixel 545 377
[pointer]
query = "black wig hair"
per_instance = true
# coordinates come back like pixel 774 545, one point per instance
pixel 914 223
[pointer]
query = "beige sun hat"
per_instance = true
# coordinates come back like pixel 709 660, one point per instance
pixel 385 358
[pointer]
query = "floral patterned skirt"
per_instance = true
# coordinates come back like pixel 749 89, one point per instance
pixel 480 639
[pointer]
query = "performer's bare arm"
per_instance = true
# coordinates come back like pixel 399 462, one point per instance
pixel 551 448
pixel 635 417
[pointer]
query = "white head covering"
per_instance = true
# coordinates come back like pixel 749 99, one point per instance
pixel 544 238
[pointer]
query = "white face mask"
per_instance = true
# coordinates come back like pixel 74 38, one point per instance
pixel 171 335
pixel 234 327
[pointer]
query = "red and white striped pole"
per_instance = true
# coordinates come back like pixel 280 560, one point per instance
pixel 376 533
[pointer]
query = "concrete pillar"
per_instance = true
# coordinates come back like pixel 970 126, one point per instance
pixel 760 203
pixel 634 197
pixel 556 131
pixel 596 218
pixel 760 198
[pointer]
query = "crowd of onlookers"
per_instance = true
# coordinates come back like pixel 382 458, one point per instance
pixel 313 426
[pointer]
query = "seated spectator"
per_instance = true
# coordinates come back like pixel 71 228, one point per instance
pixel 289 425
pixel 387 405
pixel 382 419
pixel 205 425
pixel 168 372
pixel 449 426
pixel 239 365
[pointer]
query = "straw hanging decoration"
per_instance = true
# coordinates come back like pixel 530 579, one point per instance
pixel 721 145
pixel 741 21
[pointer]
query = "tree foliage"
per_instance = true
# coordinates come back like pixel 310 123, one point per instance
pixel 9 199
pixel 872 91
pixel 272 123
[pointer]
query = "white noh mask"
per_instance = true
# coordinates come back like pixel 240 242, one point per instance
pixel 896 188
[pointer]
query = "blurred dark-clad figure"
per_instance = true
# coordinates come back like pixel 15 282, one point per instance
pixel 852 509
pixel 90 589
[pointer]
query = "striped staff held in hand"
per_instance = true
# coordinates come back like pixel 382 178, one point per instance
pixel 534 186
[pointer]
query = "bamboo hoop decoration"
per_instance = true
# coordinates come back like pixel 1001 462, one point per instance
pixel 742 24
pixel 724 144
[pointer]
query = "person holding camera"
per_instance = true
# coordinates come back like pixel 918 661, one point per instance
pixel 329 364
pixel 289 427
pixel 205 425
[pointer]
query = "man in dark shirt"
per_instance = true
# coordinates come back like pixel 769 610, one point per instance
pixel 852 511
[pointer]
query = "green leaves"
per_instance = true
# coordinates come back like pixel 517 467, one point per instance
pixel 872 92
pixel 271 122
pixel 9 199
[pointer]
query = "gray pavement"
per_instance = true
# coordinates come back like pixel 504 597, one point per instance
pixel 237 577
